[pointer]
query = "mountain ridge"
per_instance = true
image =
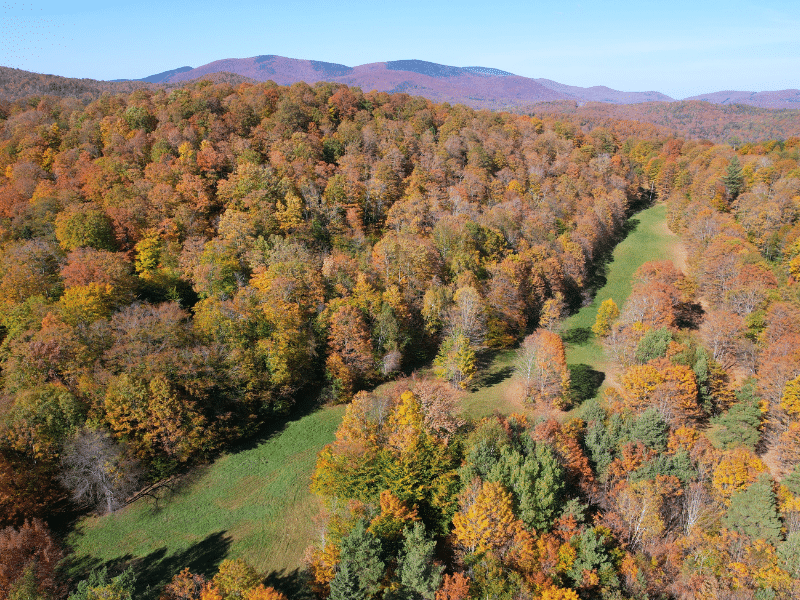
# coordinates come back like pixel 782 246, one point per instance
pixel 466 85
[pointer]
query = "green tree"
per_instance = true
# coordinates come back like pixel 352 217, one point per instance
pixel 734 179
pixel 98 586
pixel 417 571
pixel 789 555
pixel 595 556
pixel 81 227
pixel 650 429
pixel 536 480
pixel 456 361
pixel 360 569
pixel 739 425
pixel 653 345
pixel 753 511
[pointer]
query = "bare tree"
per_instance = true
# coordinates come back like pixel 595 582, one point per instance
pixel 97 471
pixel 467 316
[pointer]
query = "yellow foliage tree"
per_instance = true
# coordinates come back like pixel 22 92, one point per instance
pixel 393 518
pixel 86 303
pixel 488 523
pixel 405 423
pixel 790 401
pixel 735 472
pixel 556 593
pixel 262 592
pixel 234 579
pixel 606 315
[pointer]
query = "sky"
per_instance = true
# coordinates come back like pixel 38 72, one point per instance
pixel 677 47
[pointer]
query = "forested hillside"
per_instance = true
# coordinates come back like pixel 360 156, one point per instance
pixel 179 267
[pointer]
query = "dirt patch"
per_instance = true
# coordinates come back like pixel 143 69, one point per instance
pixel 675 248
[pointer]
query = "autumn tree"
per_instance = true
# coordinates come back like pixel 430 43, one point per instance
pixel 542 368
pixel 350 360
pixel 455 361
pixel 29 551
pixel 606 315
pixel 486 521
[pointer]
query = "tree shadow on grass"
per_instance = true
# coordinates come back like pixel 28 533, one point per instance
pixel 577 336
pixel 584 382
pixel 293 584
pixel 157 568
pixel 497 376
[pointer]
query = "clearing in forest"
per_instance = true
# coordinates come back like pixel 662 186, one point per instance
pixel 647 239
pixel 252 503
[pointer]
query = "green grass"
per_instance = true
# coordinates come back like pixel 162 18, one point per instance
pixel 488 392
pixel 647 240
pixel 253 503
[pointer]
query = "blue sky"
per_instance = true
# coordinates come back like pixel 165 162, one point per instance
pixel 680 48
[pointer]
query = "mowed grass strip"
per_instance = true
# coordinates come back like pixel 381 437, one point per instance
pixel 253 503
pixel 648 239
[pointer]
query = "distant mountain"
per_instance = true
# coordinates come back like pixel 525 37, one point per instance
pixel 16 84
pixel 158 77
pixel 476 86
pixel 777 99
pixel 161 77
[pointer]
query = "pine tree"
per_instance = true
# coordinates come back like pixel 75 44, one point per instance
pixel 345 585
pixel 360 566
pixel 651 430
pixel 653 345
pixel 753 511
pixel 734 179
pixel 417 571
pixel 536 481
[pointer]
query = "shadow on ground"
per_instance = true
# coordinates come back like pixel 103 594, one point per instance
pixel 293 584
pixel 157 568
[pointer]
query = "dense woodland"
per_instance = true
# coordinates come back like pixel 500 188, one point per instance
pixel 178 268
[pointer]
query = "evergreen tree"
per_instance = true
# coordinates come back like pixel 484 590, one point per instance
pixel 98 585
pixel 753 511
pixel 360 566
pixel 734 179
pixel 651 430
pixel 536 481
pixel 739 426
pixel 345 585
pixel 789 555
pixel 792 481
pixel 653 345
pixel 417 572
pixel 600 445
pixel 703 375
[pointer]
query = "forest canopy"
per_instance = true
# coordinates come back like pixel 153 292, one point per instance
pixel 179 267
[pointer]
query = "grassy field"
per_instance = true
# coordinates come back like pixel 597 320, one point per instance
pixel 252 503
pixel 648 239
